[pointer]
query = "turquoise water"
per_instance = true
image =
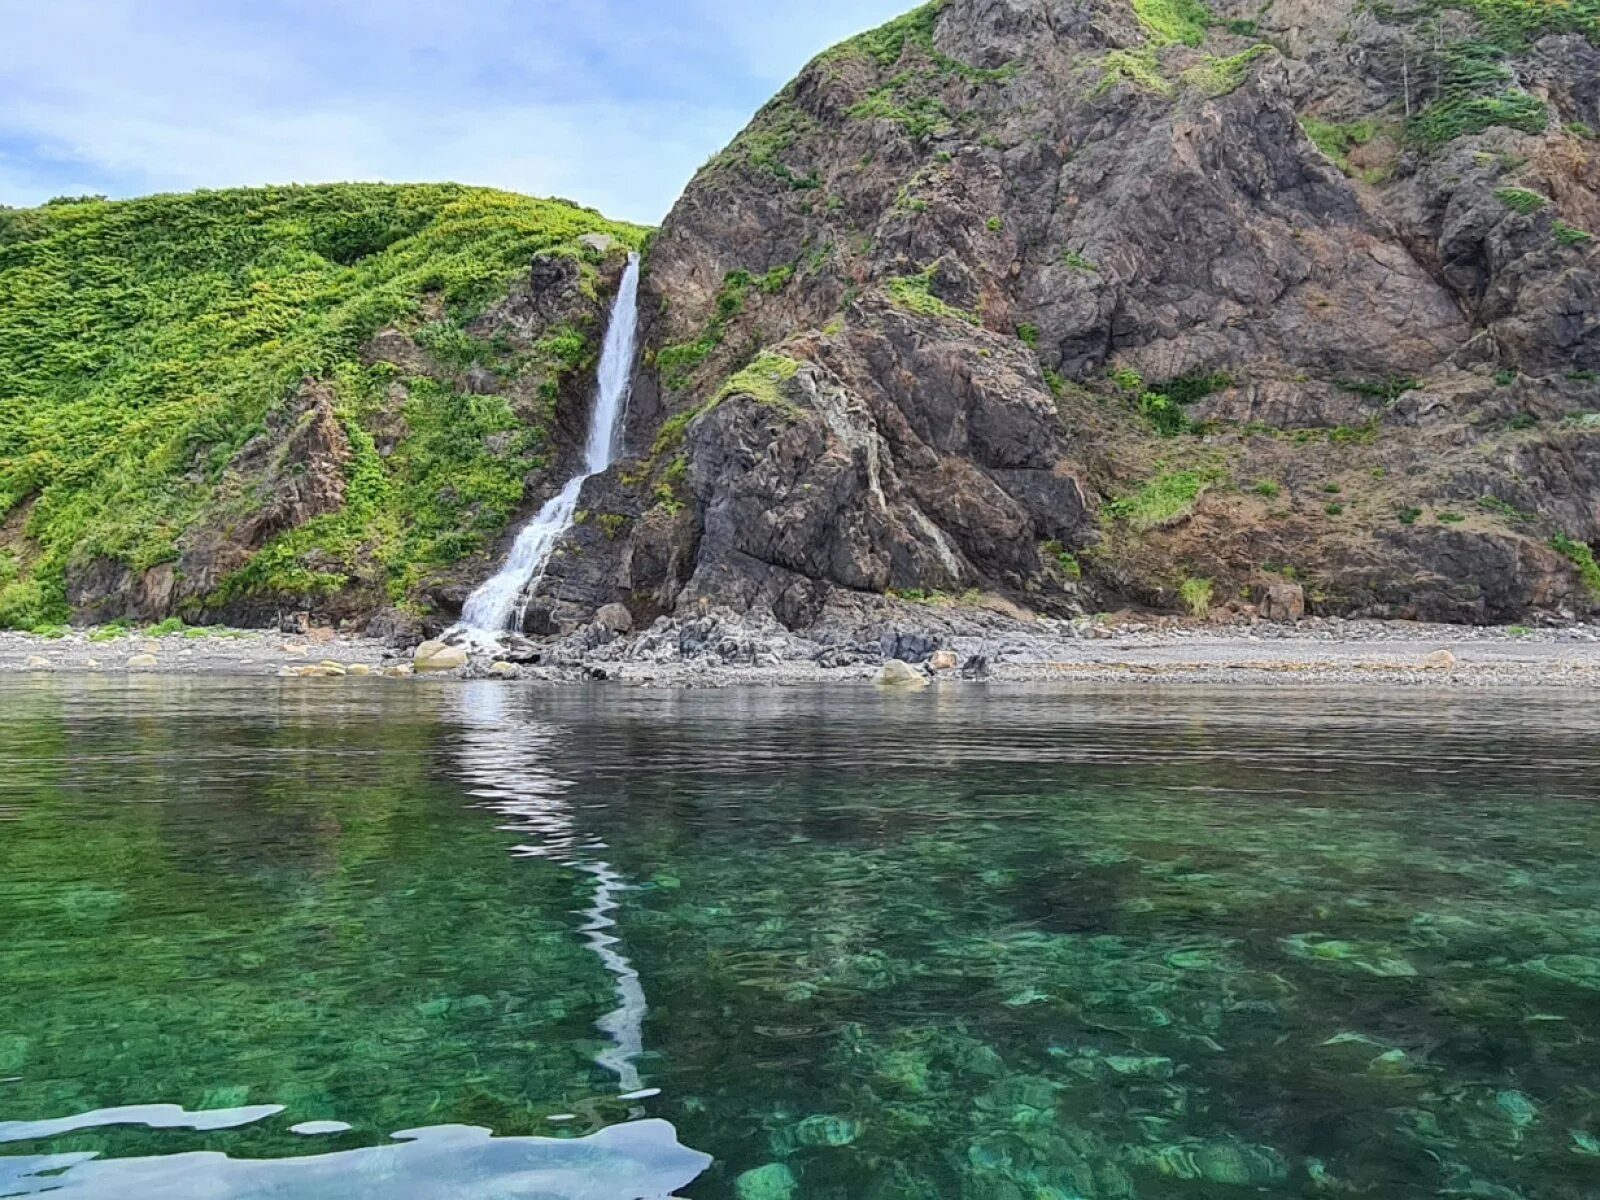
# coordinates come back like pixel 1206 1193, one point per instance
pixel 1002 944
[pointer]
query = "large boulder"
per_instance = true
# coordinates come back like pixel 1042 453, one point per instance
pixel 1283 601
pixel 896 674
pixel 438 657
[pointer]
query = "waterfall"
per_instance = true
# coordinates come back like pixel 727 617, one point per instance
pixel 501 603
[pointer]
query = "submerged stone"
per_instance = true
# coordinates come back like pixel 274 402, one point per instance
pixel 1367 957
pixel 775 1181
pixel 1576 969
pixel 1236 1164
pixel 827 1130
pixel 1519 1108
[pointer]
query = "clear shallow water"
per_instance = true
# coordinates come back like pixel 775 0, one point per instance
pixel 1004 945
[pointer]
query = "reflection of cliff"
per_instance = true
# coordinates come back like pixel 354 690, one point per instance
pixel 504 756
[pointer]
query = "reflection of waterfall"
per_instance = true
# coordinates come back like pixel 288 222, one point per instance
pixel 490 610
pixel 504 757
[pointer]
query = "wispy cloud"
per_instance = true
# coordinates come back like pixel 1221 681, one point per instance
pixel 610 102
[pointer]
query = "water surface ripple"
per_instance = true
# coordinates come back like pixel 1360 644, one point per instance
pixel 988 944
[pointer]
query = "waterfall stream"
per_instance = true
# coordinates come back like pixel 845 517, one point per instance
pixel 500 604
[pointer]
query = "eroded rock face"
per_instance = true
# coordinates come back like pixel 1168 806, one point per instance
pixel 296 466
pixel 978 238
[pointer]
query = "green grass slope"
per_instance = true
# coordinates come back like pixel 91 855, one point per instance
pixel 143 342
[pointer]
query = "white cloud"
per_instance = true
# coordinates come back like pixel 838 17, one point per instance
pixel 610 102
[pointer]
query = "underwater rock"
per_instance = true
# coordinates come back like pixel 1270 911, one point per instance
pixel 141 662
pixel 827 1130
pixel 771 1182
pixel 1237 1164
pixel 1367 957
pixel 1576 969
pixel 37 663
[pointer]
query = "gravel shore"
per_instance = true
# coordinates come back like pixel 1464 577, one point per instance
pixel 1312 652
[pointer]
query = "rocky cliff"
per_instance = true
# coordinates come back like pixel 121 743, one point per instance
pixel 1076 303
pixel 1039 306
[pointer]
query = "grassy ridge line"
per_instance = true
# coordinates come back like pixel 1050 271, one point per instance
pixel 143 342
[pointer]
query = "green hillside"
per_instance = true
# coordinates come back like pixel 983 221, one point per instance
pixel 143 342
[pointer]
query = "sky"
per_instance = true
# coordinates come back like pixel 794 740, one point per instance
pixel 612 103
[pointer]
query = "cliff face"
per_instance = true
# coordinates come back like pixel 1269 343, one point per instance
pixel 1061 304
pixel 1089 301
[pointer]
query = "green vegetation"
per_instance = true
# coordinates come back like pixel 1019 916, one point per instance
pixel 1514 23
pixel 1581 555
pixel 144 342
pixel 1475 93
pixel 1521 200
pixel 1450 518
pixel 1064 559
pixel 1187 389
pixel 1409 515
pixel 768 139
pixel 1219 76
pixel 920 115
pixel 1029 334
pixel 1170 22
pixel 1196 594
pixel 1568 235
pixel 1337 141
pixel 677 363
pixel 1334 509
pixel 1079 263
pixel 995 224
pixel 1164 414
pixel 1497 506
pixel 914 293
pixel 887 44
pixel 1139 67
pixel 1128 380
pixel 775 280
pixel 1164 499
pixel 1268 489
pixel 763 379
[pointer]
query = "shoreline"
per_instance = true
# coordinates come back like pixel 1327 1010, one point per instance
pixel 1319 653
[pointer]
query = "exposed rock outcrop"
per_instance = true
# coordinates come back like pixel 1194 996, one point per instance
pixel 1073 301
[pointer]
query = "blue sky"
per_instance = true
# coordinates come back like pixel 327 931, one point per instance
pixel 613 103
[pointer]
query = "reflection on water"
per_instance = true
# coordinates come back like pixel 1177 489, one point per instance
pixel 505 757
pixel 987 944
pixel 641 1159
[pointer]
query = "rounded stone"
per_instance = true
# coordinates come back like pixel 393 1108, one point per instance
pixel 896 674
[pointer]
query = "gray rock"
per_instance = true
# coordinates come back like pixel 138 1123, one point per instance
pixel 614 617
pixel 1283 601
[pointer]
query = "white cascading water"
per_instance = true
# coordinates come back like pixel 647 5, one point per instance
pixel 501 603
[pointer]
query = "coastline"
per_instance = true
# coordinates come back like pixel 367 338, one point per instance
pixel 1366 653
